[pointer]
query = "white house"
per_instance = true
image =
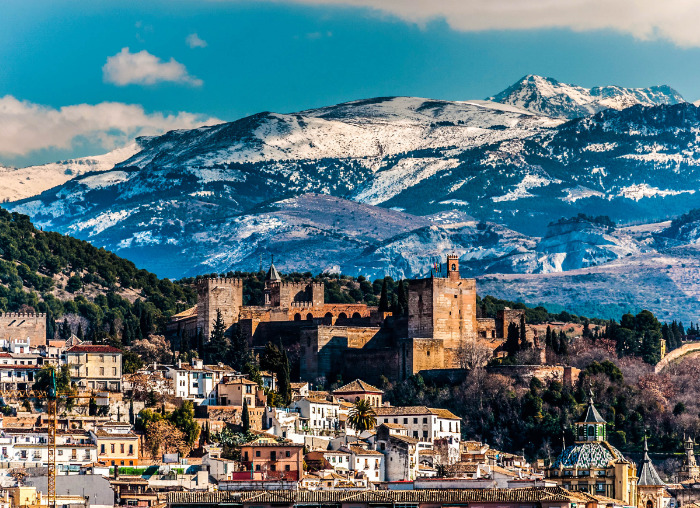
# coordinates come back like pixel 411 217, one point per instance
pixel 197 381
pixel 318 415
pixel 369 462
pixel 29 449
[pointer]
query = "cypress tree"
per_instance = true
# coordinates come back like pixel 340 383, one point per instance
pixel 285 385
pixel 563 344
pixel 512 344
pixel 245 417
pixel 403 298
pixel 548 337
pixel 384 298
pixel 524 344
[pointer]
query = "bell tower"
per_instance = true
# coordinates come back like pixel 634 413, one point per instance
pixel 453 267
pixel 591 426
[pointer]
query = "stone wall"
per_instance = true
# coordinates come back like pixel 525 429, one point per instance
pixel 225 295
pixel 563 373
pixel 20 327
pixel 323 348
pixel 504 318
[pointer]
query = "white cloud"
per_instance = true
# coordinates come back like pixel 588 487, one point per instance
pixel 143 68
pixel 673 20
pixel 26 127
pixel 193 41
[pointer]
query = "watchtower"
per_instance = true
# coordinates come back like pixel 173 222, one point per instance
pixel 224 294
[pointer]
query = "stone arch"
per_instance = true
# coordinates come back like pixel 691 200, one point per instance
pixel 650 503
pixel 309 317
pixel 297 317
pixel 356 315
pixel 342 315
pixel 328 319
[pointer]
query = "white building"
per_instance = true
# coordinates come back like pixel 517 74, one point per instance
pixel 318 415
pixel 197 381
pixel 368 462
pixel 30 449
pixel 339 459
pixel 284 422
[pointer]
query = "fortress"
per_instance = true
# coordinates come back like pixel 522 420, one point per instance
pixel 22 327
pixel 334 339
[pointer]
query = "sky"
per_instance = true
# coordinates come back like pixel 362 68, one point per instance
pixel 81 77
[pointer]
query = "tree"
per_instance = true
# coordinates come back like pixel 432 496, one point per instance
pixel 284 381
pixel 403 298
pixel 524 344
pixel 154 348
pixel 131 362
pixel 183 419
pixel 164 437
pixel 245 417
pixel 362 416
pixel 384 298
pixel 512 344
pixel 473 354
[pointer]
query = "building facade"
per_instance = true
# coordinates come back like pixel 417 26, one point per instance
pixel 95 367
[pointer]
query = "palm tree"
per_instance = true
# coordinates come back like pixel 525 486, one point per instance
pixel 362 416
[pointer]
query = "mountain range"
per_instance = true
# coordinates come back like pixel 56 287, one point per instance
pixel 389 185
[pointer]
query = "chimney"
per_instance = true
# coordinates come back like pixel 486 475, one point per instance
pixel 179 364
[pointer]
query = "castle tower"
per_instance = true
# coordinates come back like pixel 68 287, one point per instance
pixel 222 294
pixel 453 267
pixel 441 318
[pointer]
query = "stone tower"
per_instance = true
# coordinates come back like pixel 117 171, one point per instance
pixel 222 294
pixel 441 318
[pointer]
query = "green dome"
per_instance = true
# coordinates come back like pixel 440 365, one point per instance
pixel 594 454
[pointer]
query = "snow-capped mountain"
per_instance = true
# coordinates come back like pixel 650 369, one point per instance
pixel 547 96
pixel 20 183
pixel 387 186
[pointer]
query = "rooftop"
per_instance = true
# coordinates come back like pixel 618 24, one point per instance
pixel 93 348
pixel 357 386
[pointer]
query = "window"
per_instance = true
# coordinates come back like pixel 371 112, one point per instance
pixel 425 434
pixel 102 358
pixel 425 420
pixel 121 448
pixel 114 371
pixel 405 421
pixel 287 468
pixel 415 420
pixel 257 453
pixel 273 467
pixel 289 454
pixel 102 449
pixel 257 467
pixel 131 449
pixel 112 447
pixel 60 452
pixel 102 371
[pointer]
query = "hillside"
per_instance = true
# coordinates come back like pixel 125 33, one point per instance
pixel 59 275
pixel 387 186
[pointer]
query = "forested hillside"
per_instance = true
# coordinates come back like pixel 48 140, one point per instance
pixel 56 274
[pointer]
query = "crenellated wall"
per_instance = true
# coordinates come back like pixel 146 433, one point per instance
pixel 20 326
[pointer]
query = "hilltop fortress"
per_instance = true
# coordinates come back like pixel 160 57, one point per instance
pixel 334 339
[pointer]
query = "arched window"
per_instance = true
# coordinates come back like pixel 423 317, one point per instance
pixel 650 504
pixel 297 317
pixel 591 431
pixel 309 317
pixel 454 267
pixel 356 315
pixel 342 315
pixel 328 319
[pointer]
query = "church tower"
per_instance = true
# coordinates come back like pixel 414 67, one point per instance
pixel 690 469
pixel 591 426
pixel 453 267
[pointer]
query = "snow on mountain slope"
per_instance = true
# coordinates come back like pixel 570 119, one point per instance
pixel 20 183
pixel 550 97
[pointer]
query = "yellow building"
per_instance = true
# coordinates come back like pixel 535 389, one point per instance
pixel 95 367
pixel 593 465
pixel 117 445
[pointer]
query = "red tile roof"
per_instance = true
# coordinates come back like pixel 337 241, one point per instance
pixel 82 348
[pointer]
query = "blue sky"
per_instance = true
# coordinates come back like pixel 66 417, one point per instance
pixel 288 56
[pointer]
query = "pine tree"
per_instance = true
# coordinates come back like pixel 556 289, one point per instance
pixel 64 331
pixel 245 417
pixel 80 334
pixel 651 347
pixel 384 298
pixel 219 345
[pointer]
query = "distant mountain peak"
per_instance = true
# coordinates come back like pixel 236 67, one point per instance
pixel 547 96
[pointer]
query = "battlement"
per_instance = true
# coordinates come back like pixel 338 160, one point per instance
pixel 16 315
pixel 220 280
pixel 289 284
pixel 452 256
pixel 301 304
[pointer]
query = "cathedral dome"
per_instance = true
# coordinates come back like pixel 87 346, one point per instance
pixel 594 454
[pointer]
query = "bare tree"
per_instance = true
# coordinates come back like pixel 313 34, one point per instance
pixel 473 354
